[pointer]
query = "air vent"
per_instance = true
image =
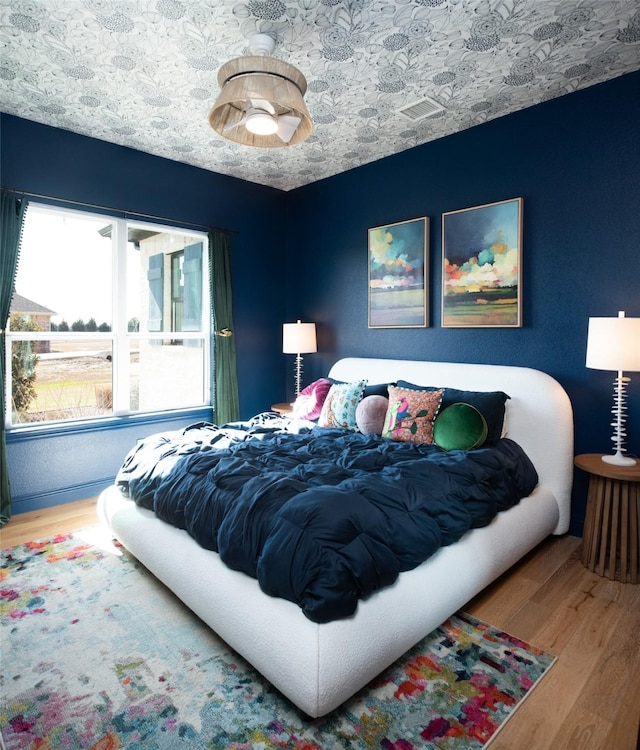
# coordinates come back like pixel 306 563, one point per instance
pixel 419 110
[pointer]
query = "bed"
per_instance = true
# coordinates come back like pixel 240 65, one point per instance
pixel 318 665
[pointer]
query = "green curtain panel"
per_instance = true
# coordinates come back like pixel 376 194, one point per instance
pixel 225 379
pixel 12 211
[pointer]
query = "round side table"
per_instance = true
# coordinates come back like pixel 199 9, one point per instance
pixel 611 539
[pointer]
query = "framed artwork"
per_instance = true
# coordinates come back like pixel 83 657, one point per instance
pixel 481 266
pixel 398 284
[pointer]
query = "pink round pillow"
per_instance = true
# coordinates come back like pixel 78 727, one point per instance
pixel 370 414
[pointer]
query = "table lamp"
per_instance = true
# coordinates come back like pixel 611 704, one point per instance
pixel 299 338
pixel 614 344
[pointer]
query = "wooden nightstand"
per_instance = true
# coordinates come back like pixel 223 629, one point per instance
pixel 282 409
pixel 611 539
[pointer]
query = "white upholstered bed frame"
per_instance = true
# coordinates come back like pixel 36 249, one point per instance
pixel 318 666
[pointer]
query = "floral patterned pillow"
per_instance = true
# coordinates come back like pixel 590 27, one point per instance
pixel 339 408
pixel 410 415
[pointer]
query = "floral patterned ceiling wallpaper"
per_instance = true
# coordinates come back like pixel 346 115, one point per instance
pixel 143 73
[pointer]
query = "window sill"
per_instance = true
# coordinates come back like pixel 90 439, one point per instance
pixel 35 431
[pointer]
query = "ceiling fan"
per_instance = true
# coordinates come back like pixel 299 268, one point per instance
pixel 261 99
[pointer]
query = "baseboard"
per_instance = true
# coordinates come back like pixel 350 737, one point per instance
pixel 26 503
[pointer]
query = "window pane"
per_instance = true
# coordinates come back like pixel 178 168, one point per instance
pixel 169 374
pixel 170 281
pixel 56 380
pixel 64 262
pixel 134 375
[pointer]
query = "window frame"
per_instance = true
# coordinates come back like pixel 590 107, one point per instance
pixel 119 338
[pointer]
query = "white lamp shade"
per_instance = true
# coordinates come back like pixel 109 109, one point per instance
pixel 614 344
pixel 299 338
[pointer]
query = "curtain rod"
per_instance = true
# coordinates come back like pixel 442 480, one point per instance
pixel 193 225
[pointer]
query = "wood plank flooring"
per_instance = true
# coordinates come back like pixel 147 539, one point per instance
pixel 38 524
pixel 589 699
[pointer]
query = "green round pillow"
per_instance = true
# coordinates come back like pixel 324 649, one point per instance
pixel 459 427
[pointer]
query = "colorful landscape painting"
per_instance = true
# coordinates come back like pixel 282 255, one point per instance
pixel 397 275
pixel 481 248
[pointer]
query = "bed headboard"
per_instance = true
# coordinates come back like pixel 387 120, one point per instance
pixel 539 414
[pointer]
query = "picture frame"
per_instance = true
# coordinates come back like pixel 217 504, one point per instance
pixel 482 266
pixel 398 263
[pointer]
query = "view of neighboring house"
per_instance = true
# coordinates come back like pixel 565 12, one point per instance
pixel 36 313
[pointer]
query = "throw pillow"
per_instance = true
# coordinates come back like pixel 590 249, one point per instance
pixel 410 414
pixel 370 414
pixel 459 427
pixel 339 408
pixel 370 389
pixel 309 403
pixel 491 404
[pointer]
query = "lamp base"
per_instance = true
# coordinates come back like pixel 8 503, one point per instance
pixel 619 431
pixel 619 460
pixel 298 375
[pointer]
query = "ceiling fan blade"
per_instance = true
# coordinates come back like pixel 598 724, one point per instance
pixel 264 105
pixel 234 124
pixel 287 125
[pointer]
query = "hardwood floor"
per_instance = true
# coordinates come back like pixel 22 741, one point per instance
pixel 589 699
pixel 38 524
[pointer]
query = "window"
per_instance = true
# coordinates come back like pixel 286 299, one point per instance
pixel 98 306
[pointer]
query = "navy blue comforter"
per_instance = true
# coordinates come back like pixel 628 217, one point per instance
pixel 321 517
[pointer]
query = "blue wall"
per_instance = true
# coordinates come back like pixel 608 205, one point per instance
pixel 47 161
pixel 576 163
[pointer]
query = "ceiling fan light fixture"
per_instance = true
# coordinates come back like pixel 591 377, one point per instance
pixel 278 89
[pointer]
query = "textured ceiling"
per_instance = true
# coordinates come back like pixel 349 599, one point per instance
pixel 142 73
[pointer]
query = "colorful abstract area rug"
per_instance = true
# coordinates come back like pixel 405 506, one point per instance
pixel 98 655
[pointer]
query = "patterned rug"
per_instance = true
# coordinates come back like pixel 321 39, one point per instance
pixel 98 655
